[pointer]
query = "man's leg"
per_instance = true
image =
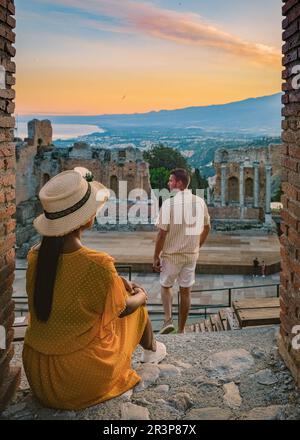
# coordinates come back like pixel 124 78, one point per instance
pixel 186 280
pixel 185 303
pixel 168 276
pixel 167 300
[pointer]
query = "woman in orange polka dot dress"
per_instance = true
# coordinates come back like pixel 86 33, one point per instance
pixel 85 321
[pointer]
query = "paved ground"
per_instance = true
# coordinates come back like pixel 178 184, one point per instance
pixel 210 376
pixel 219 249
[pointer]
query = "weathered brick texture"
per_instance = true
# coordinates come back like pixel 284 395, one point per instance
pixel 290 240
pixel 9 377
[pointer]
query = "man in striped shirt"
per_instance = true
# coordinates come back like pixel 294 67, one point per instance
pixel 184 224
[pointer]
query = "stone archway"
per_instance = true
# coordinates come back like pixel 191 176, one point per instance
pixel 249 187
pixel 233 189
pixel 114 185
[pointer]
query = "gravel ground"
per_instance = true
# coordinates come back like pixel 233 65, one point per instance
pixel 227 375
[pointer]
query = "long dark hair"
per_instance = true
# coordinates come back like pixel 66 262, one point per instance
pixel 46 269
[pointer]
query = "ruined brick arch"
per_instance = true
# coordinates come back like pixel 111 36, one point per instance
pixel 224 155
pixel 249 187
pixel 233 189
pixel 107 156
pixel 114 185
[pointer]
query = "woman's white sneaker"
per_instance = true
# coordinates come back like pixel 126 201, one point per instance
pixel 154 357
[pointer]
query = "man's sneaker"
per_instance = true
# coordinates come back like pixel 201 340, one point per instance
pixel 167 327
pixel 155 356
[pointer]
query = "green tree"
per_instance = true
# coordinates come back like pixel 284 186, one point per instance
pixel 159 177
pixel 277 195
pixel 169 158
pixel 163 159
pixel 197 181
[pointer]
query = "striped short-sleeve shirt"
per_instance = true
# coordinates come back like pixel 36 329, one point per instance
pixel 183 216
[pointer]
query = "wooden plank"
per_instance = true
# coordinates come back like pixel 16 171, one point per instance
pixel 19 333
pixel 202 327
pixel 218 323
pixel 260 316
pixel 213 323
pixel 252 303
pixel 20 326
pixel 232 321
pixel 21 321
pixel 196 327
pixel 223 320
pixel 208 325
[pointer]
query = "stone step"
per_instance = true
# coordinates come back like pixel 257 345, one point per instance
pixel 224 320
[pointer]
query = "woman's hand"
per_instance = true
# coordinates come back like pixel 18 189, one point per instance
pixel 134 288
pixel 141 292
pixel 127 284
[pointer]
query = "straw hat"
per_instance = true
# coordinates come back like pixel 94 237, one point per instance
pixel 69 201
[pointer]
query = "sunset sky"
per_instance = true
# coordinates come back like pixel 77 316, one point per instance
pixel 85 57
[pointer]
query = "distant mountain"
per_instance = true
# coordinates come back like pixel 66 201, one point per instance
pixel 260 115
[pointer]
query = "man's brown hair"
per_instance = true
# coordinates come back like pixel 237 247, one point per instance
pixel 183 175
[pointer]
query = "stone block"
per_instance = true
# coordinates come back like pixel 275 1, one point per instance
pixel 7 122
pixel 229 364
pixel 26 211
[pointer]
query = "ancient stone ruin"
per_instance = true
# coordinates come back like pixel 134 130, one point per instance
pixel 38 160
pixel 244 182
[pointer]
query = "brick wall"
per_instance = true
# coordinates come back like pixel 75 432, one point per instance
pixel 290 239
pixel 9 377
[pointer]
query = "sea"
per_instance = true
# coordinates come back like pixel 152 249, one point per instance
pixel 62 131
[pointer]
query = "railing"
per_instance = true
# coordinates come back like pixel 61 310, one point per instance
pixel 157 315
pixel 206 307
pixel 202 309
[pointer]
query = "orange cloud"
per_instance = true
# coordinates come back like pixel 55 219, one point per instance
pixel 182 28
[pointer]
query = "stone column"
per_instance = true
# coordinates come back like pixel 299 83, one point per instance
pixel 256 184
pixel 208 195
pixel 223 184
pixel 268 189
pixel 242 186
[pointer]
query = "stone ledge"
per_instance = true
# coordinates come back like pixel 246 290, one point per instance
pixel 228 375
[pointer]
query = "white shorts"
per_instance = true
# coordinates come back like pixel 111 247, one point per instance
pixel 184 273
